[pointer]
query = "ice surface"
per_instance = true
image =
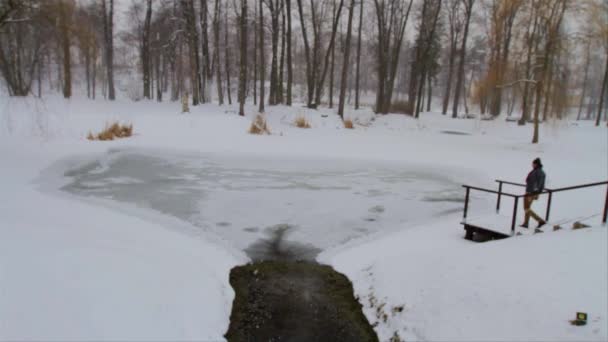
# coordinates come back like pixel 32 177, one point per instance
pixel 323 204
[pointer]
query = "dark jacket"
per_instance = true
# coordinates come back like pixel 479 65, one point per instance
pixel 535 182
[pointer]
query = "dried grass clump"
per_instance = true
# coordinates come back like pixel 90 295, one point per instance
pixel 301 122
pixel 402 107
pixel 259 126
pixel 111 131
pixel 348 123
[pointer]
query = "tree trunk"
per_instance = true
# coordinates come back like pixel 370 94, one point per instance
pixel 94 74
pixel 321 80
pixel 65 23
pixel 192 35
pixel 389 28
pixel 429 93
pixel 145 51
pixel 39 77
pixel 206 68
pixel 108 21
pixel 345 63
pixel 159 89
pixel 262 66
pixel 243 48
pixel 448 86
pixel 228 66
pixel 532 47
pixel 309 67
pixel 280 90
pixel 358 56
pixel 216 52
pixel 602 94
pixel 87 70
pixel 274 22
pixel 585 80
pixel 424 59
pixel 331 69
pixel 461 62
pixel 549 88
pixel 289 63
pixel 255 54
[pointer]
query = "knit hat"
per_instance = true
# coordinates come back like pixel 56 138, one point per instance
pixel 537 162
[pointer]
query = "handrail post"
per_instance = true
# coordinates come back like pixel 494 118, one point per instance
pixel 605 207
pixel 466 204
pixel 548 206
pixel 514 216
pixel 499 193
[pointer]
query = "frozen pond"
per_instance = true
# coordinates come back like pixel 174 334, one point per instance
pixel 255 202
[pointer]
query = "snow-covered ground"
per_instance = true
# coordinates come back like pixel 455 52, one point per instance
pixel 134 238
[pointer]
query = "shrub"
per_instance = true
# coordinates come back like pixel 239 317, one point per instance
pixel 348 123
pixel 115 130
pixel 402 107
pixel 259 126
pixel 301 122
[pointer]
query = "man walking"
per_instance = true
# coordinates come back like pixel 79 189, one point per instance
pixel 535 183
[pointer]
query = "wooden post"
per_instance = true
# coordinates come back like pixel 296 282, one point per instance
pixel 548 206
pixel 605 207
pixel 514 216
pixel 466 204
pixel 498 199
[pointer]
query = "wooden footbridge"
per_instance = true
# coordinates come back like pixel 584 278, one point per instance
pixel 498 226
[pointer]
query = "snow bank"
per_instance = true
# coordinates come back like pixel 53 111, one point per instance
pixel 71 271
pixel 525 288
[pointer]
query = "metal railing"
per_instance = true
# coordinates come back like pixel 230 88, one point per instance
pixel 516 198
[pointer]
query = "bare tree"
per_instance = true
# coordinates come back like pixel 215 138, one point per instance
pixel 255 52
pixel 206 68
pixel 391 17
pixel 455 29
pixel 243 52
pixel 228 65
pixel 262 61
pixel 345 63
pixel 275 7
pixel 66 9
pixel 331 68
pixel 216 51
pixel 280 84
pixel 503 17
pixel 424 56
pixel 289 62
pixel 192 38
pixel 468 10
pixel 108 30
pixel 358 55
pixel 532 42
pixel 316 66
pixel 552 16
pixel 21 43
pixel 145 50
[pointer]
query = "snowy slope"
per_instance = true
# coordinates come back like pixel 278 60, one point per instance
pixel 73 269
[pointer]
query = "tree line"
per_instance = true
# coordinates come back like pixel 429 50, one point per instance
pixel 502 56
